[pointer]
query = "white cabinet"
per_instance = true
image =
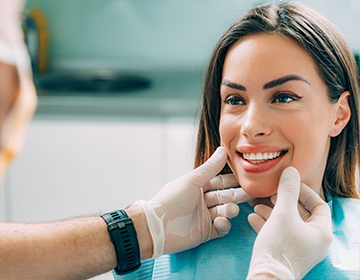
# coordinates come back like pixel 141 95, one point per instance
pixel 73 167
pixel 181 136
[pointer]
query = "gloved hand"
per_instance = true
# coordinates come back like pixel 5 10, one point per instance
pixel 287 247
pixel 180 217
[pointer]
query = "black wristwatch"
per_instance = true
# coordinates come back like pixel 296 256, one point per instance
pixel 123 235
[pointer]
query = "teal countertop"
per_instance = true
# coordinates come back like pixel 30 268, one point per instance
pixel 172 93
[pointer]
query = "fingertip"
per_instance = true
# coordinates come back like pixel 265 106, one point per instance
pixel 251 218
pixel 209 169
pixel 232 210
pixel 220 154
pixel 222 226
pixel 263 211
pixel 289 186
pixel 220 150
pixel 256 222
pixel 273 199
pixel 290 173
pixel 228 211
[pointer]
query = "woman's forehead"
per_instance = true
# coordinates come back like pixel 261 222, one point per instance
pixel 268 56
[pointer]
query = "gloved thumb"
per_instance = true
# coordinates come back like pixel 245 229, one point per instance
pixel 289 188
pixel 205 172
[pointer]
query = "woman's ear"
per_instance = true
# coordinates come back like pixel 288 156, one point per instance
pixel 342 114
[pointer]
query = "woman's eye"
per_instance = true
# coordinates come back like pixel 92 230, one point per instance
pixel 234 101
pixel 284 98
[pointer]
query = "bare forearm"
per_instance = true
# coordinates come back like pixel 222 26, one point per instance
pixel 74 249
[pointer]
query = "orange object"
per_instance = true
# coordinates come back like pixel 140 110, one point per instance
pixel 43 38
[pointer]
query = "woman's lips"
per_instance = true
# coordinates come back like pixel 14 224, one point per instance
pixel 260 162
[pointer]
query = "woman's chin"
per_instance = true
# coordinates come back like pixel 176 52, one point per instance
pixel 259 191
pixel 258 185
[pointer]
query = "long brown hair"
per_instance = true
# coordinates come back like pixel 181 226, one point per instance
pixel 335 64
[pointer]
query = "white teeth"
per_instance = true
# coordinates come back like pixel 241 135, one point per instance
pixel 260 157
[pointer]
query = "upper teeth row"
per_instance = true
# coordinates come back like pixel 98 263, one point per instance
pixel 261 156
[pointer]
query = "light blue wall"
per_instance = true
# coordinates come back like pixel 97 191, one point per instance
pixel 178 33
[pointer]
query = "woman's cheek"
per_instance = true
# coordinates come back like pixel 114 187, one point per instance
pixel 227 130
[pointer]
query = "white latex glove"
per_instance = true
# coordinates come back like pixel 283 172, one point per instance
pixel 288 247
pixel 179 217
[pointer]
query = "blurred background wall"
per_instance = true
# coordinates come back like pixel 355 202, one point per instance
pixel 160 33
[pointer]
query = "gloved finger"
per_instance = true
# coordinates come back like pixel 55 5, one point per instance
pixel 288 190
pixel 273 199
pixel 229 211
pixel 320 216
pixel 205 172
pixel 220 228
pixel 236 195
pixel 262 200
pixel 263 211
pixel 314 203
pixel 303 212
pixel 309 198
pixel 221 182
pixel 256 221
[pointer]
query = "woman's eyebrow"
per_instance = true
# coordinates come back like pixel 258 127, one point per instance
pixel 285 79
pixel 271 84
pixel 232 85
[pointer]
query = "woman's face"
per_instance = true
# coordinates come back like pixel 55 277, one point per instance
pixel 275 113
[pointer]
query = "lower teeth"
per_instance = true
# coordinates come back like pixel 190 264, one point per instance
pixel 256 162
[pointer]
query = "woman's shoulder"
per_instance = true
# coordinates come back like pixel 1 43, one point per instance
pixel 346 203
pixel 345 216
pixel 345 207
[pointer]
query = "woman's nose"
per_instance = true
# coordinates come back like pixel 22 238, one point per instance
pixel 256 122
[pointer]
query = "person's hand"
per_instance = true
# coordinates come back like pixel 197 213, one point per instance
pixel 290 242
pixel 181 217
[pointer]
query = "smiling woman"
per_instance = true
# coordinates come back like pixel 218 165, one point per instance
pixel 283 54
pixel 281 93
pixel 281 90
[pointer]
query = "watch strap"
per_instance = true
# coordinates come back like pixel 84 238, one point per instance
pixel 123 235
